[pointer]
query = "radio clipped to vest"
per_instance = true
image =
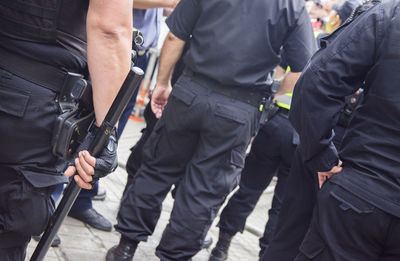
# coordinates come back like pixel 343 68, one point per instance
pixel 77 115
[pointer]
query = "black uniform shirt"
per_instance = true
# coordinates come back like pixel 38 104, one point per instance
pixel 365 52
pixel 237 42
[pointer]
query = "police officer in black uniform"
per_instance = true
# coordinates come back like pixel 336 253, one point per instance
pixel 271 154
pixel 211 115
pixel 300 196
pixel 357 215
pixel 40 41
pixel 302 185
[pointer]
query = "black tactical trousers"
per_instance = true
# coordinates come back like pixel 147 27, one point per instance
pixel 200 141
pixel 136 156
pixel 27 166
pixel 13 254
pixel 24 211
pixel 297 208
pixel 271 154
pixel 346 228
pixel 295 214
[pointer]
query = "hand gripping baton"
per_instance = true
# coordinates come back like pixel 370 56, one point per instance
pixel 71 192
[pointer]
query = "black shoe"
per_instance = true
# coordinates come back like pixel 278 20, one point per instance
pixel 55 243
pixel 220 251
pixel 124 251
pixel 207 242
pixel 92 218
pixel 101 194
pixel 218 255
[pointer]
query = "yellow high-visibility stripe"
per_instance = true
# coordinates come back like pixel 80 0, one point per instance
pixel 284 100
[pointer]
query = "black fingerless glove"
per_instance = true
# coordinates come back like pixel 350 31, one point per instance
pixel 106 161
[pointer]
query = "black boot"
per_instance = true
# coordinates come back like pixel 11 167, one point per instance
pixel 124 251
pixel 220 251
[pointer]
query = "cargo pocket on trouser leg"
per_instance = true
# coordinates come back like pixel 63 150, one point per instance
pixel 228 174
pixel 151 145
pixel 30 209
pixel 237 159
pixel 312 248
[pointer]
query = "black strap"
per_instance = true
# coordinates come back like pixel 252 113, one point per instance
pixel 34 21
pixel 23 29
pixel 39 73
pixel 283 111
pixel 31 9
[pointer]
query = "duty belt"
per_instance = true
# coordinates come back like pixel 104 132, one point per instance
pixel 283 111
pixel 34 71
pixel 248 94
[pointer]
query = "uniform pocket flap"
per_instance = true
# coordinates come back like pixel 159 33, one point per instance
pixel 183 95
pixel 227 112
pixel 13 103
pixel 237 158
pixel 295 138
pixel 350 201
pixel 312 246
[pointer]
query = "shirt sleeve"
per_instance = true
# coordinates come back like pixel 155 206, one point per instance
pixel 183 19
pixel 338 69
pixel 300 44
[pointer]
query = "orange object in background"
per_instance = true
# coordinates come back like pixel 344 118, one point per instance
pixel 135 118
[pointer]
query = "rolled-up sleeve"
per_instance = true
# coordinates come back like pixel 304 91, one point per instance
pixel 338 69
pixel 183 19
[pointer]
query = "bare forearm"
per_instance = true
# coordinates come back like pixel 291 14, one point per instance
pixel 279 73
pixel 145 4
pixel 108 51
pixel 287 84
pixel 170 54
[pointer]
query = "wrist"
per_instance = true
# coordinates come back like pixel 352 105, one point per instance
pixel 171 3
pixel 163 84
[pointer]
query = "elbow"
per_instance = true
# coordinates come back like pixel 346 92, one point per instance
pixel 173 38
pixel 113 33
pixel 117 34
pixel 107 29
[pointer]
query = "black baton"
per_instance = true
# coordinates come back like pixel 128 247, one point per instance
pixel 71 192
